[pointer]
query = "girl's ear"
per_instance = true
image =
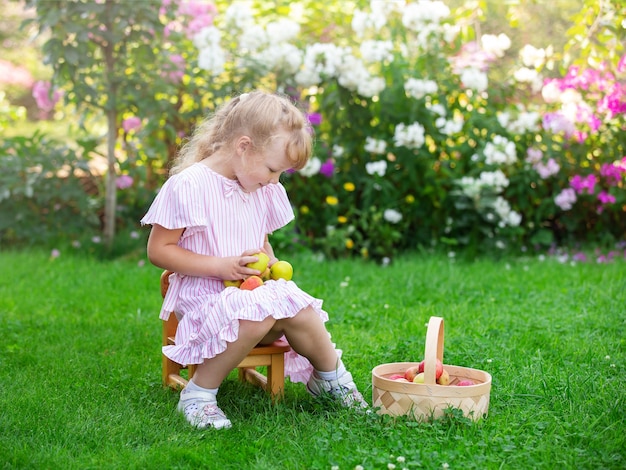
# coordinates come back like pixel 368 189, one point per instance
pixel 243 144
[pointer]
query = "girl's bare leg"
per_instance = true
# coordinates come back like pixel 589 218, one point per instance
pixel 212 372
pixel 308 336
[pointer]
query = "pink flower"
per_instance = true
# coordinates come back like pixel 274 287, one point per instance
pixel 201 14
pixel 175 70
pixel 580 183
pixel 565 199
pixel 41 93
pixel 533 155
pixel 548 169
pixel 15 75
pixel 131 124
pixel 612 172
pixel 606 198
pixel 124 182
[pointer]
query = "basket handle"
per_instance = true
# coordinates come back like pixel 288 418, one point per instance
pixel 433 349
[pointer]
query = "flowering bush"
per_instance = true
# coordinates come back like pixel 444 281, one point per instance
pixel 425 134
pixel 417 145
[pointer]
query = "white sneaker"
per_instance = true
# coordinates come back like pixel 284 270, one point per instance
pixel 201 410
pixel 343 388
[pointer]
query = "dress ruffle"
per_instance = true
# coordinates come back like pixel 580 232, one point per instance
pixel 205 332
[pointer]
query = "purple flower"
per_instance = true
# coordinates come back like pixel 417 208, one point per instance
pixel 328 168
pixel 124 182
pixel 315 119
pixel 131 124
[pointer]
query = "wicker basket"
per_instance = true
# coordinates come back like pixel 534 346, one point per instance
pixel 429 400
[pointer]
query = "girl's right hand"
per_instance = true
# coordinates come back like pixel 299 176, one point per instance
pixel 234 267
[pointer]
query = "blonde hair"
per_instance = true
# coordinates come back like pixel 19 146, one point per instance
pixel 259 115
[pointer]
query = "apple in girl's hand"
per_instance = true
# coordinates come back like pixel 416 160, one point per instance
pixel 419 378
pixel 265 275
pixel 251 283
pixel 411 372
pixel 281 270
pixel 465 383
pixel 236 283
pixel 444 378
pixel 261 264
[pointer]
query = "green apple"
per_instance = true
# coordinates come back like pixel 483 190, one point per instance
pixel 281 270
pixel 261 264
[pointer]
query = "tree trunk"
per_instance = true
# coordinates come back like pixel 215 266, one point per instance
pixel 110 198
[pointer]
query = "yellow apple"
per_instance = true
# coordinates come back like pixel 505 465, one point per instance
pixel 265 275
pixel 444 378
pixel 236 283
pixel 281 270
pixel 419 378
pixel 251 283
pixel 261 264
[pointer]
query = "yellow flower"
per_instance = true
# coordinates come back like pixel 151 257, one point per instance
pixel 332 200
pixel 348 186
pixel 342 219
pixel 349 243
pixel 410 199
pixel 304 209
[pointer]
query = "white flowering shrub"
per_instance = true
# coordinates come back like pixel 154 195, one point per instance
pixel 415 144
pixel 427 131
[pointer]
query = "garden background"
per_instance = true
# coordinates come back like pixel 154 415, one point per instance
pixel 464 126
pixel 469 163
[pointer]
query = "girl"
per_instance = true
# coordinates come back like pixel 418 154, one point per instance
pixel 211 216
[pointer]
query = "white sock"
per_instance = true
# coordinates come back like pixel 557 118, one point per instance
pixel 193 387
pixel 332 374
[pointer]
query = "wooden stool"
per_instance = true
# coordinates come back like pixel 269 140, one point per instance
pixel 271 356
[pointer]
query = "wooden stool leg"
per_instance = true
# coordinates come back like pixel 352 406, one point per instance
pixel 276 376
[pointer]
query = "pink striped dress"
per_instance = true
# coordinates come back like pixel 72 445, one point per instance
pixel 220 219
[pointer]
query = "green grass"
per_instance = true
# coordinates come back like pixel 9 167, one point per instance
pixel 81 387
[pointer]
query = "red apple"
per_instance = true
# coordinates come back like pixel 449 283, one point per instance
pixel 410 373
pixel 396 376
pixel 465 383
pixel 438 368
pixel 251 283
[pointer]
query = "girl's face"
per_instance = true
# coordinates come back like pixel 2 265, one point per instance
pixel 263 167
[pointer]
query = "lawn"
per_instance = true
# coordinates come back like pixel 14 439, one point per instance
pixel 81 379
